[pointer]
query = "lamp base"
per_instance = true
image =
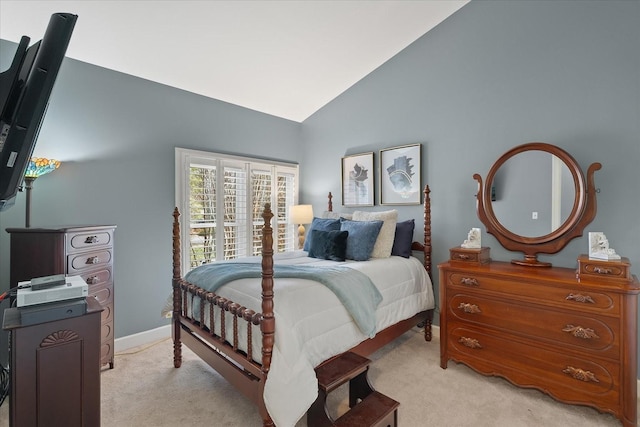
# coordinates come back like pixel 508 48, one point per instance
pixel 300 236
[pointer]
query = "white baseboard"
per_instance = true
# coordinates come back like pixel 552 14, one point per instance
pixel 142 338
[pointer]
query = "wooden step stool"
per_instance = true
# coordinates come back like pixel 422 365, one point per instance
pixel 368 408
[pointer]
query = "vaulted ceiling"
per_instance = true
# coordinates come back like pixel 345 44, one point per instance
pixel 284 58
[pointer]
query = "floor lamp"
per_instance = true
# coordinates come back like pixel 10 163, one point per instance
pixel 300 214
pixel 37 167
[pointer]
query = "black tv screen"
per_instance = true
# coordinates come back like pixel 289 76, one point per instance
pixel 25 89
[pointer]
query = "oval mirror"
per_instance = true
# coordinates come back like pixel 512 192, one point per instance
pixel 535 200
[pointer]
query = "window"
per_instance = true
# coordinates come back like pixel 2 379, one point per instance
pixel 221 199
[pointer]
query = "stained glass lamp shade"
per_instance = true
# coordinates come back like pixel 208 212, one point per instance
pixel 37 166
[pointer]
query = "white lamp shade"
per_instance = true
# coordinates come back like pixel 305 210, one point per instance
pixel 301 214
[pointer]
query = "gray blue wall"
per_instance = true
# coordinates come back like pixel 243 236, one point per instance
pixel 494 75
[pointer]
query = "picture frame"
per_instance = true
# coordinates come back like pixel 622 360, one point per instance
pixel 357 180
pixel 400 175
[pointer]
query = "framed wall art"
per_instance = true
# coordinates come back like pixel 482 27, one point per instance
pixel 357 180
pixel 400 175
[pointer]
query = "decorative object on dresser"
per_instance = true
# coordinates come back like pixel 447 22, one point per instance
pixel 86 251
pixel 599 247
pixel 473 240
pixel 571 335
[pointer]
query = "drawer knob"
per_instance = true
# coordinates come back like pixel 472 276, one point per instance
pixel 91 239
pixel 580 374
pixel 580 332
pixel 469 342
pixel 469 308
pixel 469 281
pixel 580 298
pixel 93 260
pixel 602 270
pixel 462 256
pixel 92 280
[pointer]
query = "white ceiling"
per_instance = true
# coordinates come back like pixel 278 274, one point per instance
pixel 285 58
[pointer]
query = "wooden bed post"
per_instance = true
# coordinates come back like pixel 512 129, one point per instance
pixel 427 229
pixel 177 297
pixel 330 205
pixel 268 325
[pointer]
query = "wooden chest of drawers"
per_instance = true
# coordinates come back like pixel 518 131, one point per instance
pixel 84 250
pixel 575 339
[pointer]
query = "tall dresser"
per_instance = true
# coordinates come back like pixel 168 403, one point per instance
pixel 87 251
pixel 569 333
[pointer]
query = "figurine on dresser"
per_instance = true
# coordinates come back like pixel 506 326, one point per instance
pixel 599 247
pixel 473 240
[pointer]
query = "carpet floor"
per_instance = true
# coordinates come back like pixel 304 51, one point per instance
pixel 144 389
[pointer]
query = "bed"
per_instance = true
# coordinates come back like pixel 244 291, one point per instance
pixel 233 327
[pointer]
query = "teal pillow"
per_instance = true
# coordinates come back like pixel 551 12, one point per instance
pixel 403 238
pixel 329 245
pixel 324 224
pixel 362 237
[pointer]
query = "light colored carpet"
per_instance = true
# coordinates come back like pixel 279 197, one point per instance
pixel 145 389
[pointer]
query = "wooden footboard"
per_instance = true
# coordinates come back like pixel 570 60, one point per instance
pixel 206 333
pixel 222 351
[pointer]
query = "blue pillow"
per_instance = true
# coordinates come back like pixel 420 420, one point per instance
pixel 324 224
pixel 403 238
pixel 362 237
pixel 329 245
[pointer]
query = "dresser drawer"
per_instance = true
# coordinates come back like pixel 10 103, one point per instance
pixel 89 239
pixel 524 363
pixel 103 293
pixel 599 335
pixel 562 297
pixel 81 262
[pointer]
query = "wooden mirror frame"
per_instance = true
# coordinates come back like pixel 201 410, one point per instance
pixel 583 212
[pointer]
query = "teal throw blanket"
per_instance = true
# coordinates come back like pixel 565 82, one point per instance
pixel 353 288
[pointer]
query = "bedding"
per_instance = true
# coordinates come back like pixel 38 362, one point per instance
pixel 313 325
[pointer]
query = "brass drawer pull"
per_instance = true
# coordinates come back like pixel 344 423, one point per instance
pixel 580 332
pixel 92 280
pixel 469 308
pixel 602 270
pixel 462 256
pixel 91 239
pixel 469 281
pixel 469 342
pixel 93 260
pixel 580 298
pixel 580 374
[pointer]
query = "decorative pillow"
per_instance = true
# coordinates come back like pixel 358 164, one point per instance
pixel 384 243
pixel 336 215
pixel 403 239
pixel 362 238
pixel 329 245
pixel 320 224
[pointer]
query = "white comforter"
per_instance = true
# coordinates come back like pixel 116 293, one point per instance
pixel 312 325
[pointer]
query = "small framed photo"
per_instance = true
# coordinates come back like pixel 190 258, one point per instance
pixel 400 175
pixel 357 180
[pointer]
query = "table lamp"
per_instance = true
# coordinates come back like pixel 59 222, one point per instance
pixel 37 166
pixel 300 214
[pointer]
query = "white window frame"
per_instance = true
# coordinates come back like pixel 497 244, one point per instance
pixel 184 158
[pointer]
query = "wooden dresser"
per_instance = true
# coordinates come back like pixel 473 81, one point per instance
pixel 569 333
pixel 87 251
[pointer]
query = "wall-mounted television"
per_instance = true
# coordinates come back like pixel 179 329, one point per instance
pixel 25 88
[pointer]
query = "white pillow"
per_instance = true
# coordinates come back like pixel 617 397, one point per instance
pixel 384 242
